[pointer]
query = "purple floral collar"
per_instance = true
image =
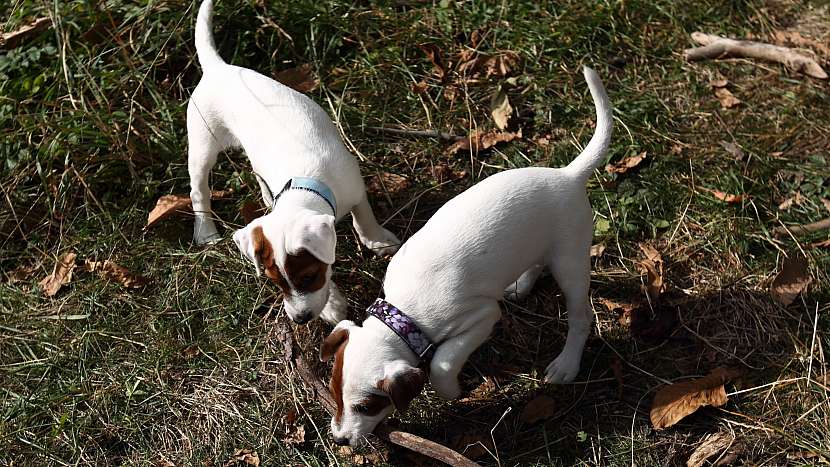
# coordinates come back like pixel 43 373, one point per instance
pixel 404 327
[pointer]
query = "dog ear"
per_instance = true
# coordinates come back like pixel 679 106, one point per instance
pixel 403 385
pixel 339 335
pixel 252 244
pixel 314 234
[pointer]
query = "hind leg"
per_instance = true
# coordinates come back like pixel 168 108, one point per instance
pixel 524 284
pixel 202 148
pixel 571 267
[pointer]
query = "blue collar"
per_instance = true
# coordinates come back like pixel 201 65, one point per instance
pixel 309 184
pixel 404 327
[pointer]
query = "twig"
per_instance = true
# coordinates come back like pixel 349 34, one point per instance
pixel 14 39
pixel 721 47
pixel 802 229
pixel 448 137
pixel 292 355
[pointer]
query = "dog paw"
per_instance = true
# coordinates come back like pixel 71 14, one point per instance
pixel 562 370
pixel 336 308
pixel 447 388
pixel 385 244
pixel 204 232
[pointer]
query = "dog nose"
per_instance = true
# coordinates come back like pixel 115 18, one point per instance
pixel 341 441
pixel 302 319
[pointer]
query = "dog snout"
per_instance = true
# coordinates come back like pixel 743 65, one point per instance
pixel 341 441
pixel 302 318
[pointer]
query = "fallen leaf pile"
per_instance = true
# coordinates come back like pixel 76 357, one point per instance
pixel 792 280
pixel 626 164
pixel 117 273
pixel 61 276
pixel 676 401
pixel 299 79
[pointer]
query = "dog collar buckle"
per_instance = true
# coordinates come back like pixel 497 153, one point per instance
pixel 404 327
pixel 309 184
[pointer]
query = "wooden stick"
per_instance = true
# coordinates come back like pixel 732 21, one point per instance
pixel 721 47
pixel 449 137
pixel 13 39
pixel 802 229
pixel 294 356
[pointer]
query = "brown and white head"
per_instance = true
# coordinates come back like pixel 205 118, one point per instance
pixel 296 253
pixel 367 381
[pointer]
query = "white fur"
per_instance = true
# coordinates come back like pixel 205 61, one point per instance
pixel 489 241
pixel 284 134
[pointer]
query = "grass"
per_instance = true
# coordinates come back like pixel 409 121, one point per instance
pixel 187 370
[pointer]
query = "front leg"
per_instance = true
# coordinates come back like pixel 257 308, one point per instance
pixel 381 241
pixel 336 307
pixel 453 353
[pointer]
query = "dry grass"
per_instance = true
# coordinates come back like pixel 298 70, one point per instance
pixel 187 370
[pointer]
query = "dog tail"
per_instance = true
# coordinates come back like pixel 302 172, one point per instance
pixel 205 48
pixel 594 154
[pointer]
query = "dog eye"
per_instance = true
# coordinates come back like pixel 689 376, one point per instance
pixel 306 281
pixel 361 409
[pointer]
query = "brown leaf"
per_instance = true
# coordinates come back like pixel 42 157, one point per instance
pixel 626 164
pixel 675 401
pixel 726 197
pixel 501 63
pixel 250 211
pixel 718 83
pixel 795 38
pixel 652 266
pixel 597 250
pixel 540 408
pixel 61 275
pixel 117 273
pixel 726 98
pixel 500 109
pixel 299 79
pixel 365 457
pixel 420 87
pixel 442 172
pixel 712 445
pixel 389 183
pixel 10 40
pixel 478 141
pixel 168 205
pixel 791 281
pixel 244 456
pixel 734 149
pixel 191 351
pixel 22 272
pixel 483 391
pixel 433 53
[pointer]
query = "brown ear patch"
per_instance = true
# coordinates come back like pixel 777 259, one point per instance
pixel 403 387
pixel 332 343
pixel 305 272
pixel 336 383
pixel 265 252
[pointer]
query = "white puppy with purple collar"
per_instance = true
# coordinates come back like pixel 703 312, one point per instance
pixel 305 173
pixel 493 239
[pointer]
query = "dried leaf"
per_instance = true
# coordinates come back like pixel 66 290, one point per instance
pixel 471 63
pixel 374 456
pixel 478 141
pixel 718 83
pixel 388 183
pixel 712 445
pixel 442 172
pixel 626 164
pixel 726 98
pixel 117 273
pixel 652 266
pixel 299 79
pixel 22 272
pixel 734 149
pixel 483 391
pixel 795 38
pixel 250 211
pixel 61 276
pixel 191 351
pixel 168 205
pixel 420 87
pixel 789 202
pixel 597 250
pixel 540 408
pixel 245 456
pixel 726 197
pixel 500 109
pixel 675 401
pixel 433 53
pixel 791 281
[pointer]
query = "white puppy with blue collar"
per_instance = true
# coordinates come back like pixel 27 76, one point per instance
pixel 305 173
pixel 443 286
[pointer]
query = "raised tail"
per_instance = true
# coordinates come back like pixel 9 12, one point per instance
pixel 205 48
pixel 594 154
